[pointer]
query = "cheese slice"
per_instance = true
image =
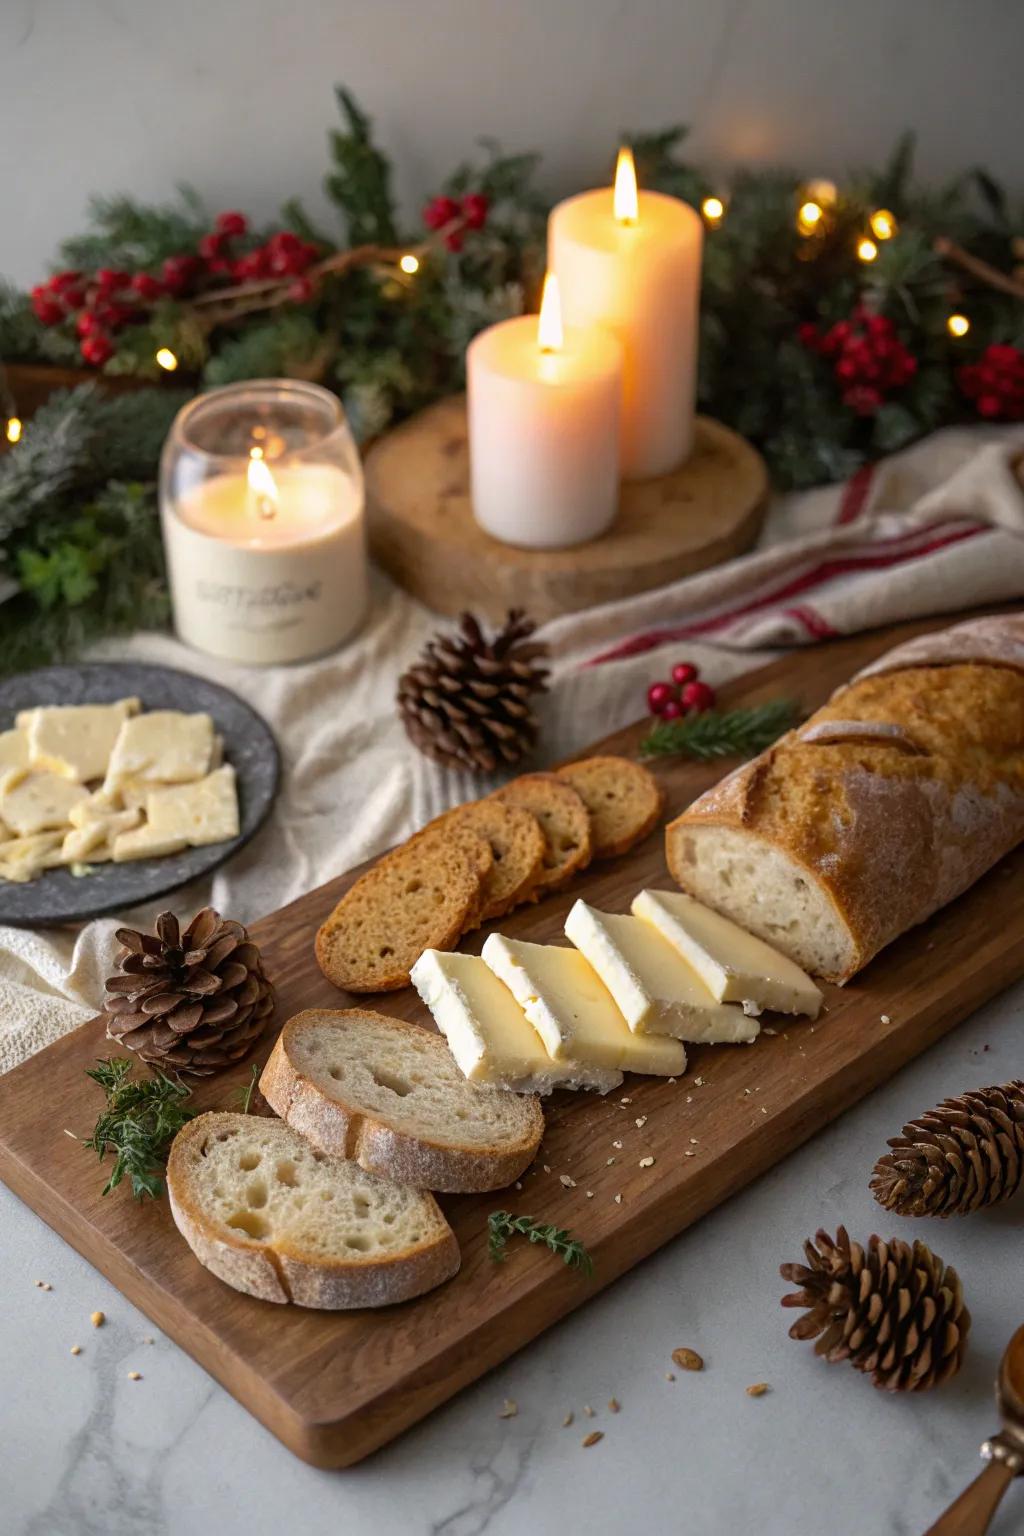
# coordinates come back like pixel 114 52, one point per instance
pixel 488 1033
pixel 572 1010
pixel 200 813
pixel 13 749
pixel 76 740
pixel 655 989
pixel 22 858
pixel 37 802
pixel 733 964
pixel 164 746
pixel 145 843
pixel 97 807
pixel 82 842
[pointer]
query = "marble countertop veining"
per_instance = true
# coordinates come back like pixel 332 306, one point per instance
pixel 85 1451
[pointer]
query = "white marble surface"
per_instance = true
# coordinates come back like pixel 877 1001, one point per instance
pixel 84 1451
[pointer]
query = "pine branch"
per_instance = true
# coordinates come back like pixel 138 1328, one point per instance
pixel 501 1225
pixel 712 734
pixel 360 182
pixel 141 1119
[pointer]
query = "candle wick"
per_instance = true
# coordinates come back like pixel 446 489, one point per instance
pixel 266 509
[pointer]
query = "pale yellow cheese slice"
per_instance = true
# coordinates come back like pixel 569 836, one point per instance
pixel 655 988
pixel 97 807
pixel 572 1010
pixel 76 740
pixel 164 746
pixel 145 843
pixel 82 842
pixel 733 964
pixel 13 749
pixel 203 812
pixel 37 802
pixel 23 858
pixel 488 1033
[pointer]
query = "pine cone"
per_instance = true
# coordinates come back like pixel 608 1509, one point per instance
pixel 967 1153
pixel 894 1311
pixel 193 1001
pixel 466 702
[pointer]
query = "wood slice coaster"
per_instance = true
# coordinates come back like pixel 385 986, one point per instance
pixel 422 529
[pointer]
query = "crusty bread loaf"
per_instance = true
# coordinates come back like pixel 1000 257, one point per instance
pixel 390 1096
pixel 517 846
pixel 424 895
pixel 276 1219
pixel 889 802
pixel 565 822
pixel 623 799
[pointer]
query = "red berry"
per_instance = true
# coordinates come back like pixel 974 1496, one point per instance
pixel 87 323
pixel 61 280
pixel 231 223
pixel 97 349
pixel 455 240
pixel 285 262
pixel 146 286
pixel 108 280
pixel 178 272
pixel 301 290
pixel 253 264
pixel 848 368
pixel 672 710
pixel 219 266
pixel 211 245
pixel 809 335
pixel 684 672
pixel 658 696
pixel 47 309
pixel 284 240
pixel 474 209
pixel 989 405
pixel 440 211
pixel 697 696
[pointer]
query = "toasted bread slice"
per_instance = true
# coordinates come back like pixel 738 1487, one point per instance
pixel 390 1096
pixel 273 1217
pixel 564 820
pixel 623 799
pixel 517 846
pixel 423 896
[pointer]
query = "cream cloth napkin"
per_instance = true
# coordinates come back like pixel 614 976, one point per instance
pixel 937 528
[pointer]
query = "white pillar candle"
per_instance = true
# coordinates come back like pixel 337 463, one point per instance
pixel 631 261
pixel 543 429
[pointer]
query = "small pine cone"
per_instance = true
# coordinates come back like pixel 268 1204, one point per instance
pixel 894 1311
pixel 193 1002
pixel 466 702
pixel 967 1153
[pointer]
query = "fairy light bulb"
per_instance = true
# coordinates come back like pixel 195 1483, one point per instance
pixel 867 250
pixel 809 216
pixel 823 192
pixel 12 431
pixel 409 263
pixel 713 210
pixel 166 360
pixel 883 224
pixel 958 325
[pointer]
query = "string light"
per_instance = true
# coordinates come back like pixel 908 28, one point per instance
pixel 809 216
pixel 824 193
pixel 958 325
pixel 13 429
pixel 883 224
pixel 867 250
pixel 166 359
pixel 713 210
pixel 409 263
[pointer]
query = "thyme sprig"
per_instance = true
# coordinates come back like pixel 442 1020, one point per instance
pixel 714 733
pixel 501 1225
pixel 141 1119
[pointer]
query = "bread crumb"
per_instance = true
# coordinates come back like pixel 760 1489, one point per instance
pixel 694 1141
pixel 76 1349
pixel 588 1410
pixel 671 1079
pixel 609 1161
pixel 134 1376
pixel 883 1018
pixel 689 1152
pixel 625 1101
pixel 647 1162
pixel 618 1199
pixel 44 1285
pixel 640 1122
pixel 568 1419
pixel 698 1082
pixel 149 1339
pixel 590 1194
pixel 547 1167
pixel 613 1405
pixel 566 1182
pixel 98 1319
pixel 687 1359
pixel 670 1375
pixel 617 1145
pixel 509 1409
pixel 592 1439
pixel 758 1389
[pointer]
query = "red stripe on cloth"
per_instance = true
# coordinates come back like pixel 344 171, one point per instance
pixel 816 626
pixel 650 640
pixel 855 494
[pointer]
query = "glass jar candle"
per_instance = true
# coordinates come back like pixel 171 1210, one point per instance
pixel 261 505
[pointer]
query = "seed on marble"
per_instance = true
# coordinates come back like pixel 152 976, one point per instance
pixel 98 1319
pixel 592 1439
pixel 76 1349
pixel 134 1376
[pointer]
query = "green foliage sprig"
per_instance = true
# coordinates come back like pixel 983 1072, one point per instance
pixel 501 1225
pixel 714 733
pixel 244 1094
pixel 141 1119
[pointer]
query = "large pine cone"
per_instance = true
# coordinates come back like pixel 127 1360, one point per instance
pixel 466 702
pixel 894 1311
pixel 194 1001
pixel 967 1153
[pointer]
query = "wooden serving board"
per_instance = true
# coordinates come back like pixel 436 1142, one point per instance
pixel 336 1386
pixel 423 532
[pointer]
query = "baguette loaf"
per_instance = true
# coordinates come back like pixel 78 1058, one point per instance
pixel 272 1217
pixel 889 802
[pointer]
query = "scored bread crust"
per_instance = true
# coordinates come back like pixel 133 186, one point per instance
pixel 884 831
pixel 280 1274
pixel 343 1130
pixel 646 799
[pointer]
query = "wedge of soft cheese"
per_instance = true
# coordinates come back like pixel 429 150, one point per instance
pixel 76 740
pixel 37 802
pixel 163 747
pixel 489 1034
pixel 733 964
pixel 656 990
pixel 200 813
pixel 572 1010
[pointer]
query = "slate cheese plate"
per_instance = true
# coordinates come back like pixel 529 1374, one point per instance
pixel 58 896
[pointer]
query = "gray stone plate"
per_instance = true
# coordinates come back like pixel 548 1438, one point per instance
pixel 58 896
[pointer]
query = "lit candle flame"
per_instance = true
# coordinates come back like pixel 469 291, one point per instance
pixel 262 485
pixel 625 203
pixel 550 337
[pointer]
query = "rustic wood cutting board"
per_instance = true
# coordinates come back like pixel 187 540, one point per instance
pixel 334 1387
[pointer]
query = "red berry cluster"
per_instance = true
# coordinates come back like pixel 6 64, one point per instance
pixel 996 382
pixel 454 218
pixel 100 303
pixel 685 694
pixel 870 360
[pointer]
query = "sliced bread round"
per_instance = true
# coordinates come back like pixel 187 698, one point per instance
pixel 564 820
pixel 517 845
pixel 390 1096
pixel 423 896
pixel 273 1217
pixel 623 799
